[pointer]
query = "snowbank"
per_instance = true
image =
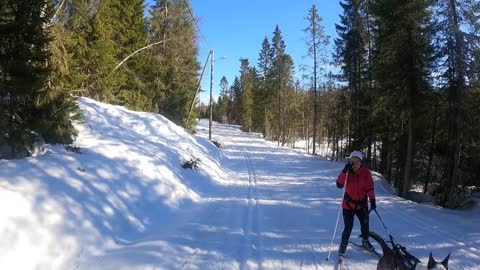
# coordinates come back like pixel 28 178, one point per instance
pixel 126 180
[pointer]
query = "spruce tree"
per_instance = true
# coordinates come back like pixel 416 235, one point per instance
pixel 30 109
pixel 223 100
pixel 247 84
pixel 402 69
pixel 263 94
pixel 72 23
pixel 457 21
pixel 277 54
pixel 91 50
pixel 353 49
pixel 287 95
pixel 236 101
pixel 127 30
pixel 176 79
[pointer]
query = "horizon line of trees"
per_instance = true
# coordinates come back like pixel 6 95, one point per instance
pixel 407 94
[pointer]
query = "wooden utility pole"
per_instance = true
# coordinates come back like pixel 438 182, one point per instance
pixel 198 89
pixel 212 57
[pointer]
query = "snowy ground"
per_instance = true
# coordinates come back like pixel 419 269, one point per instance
pixel 126 203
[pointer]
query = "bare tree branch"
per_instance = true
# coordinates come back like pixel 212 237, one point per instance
pixel 141 49
pixel 58 9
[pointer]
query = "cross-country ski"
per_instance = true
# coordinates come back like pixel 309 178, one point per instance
pixel 360 247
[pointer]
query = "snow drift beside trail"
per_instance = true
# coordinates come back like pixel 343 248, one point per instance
pixel 126 180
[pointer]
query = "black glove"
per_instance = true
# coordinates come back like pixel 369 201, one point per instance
pixel 373 205
pixel 348 168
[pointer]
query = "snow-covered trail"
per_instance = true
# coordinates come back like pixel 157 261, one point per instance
pixel 277 210
pixel 285 192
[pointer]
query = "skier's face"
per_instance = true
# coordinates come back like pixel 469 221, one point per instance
pixel 356 163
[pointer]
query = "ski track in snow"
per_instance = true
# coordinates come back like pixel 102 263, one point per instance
pixel 253 225
pixel 424 224
pixel 253 247
pixel 275 209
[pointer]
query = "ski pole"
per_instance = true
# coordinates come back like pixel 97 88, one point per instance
pixel 338 217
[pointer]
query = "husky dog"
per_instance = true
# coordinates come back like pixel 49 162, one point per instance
pixel 390 261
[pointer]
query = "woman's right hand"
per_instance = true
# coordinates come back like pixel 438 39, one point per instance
pixel 348 168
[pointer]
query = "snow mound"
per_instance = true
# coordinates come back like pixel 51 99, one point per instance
pixel 382 187
pixel 125 180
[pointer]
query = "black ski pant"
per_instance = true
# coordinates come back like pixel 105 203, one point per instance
pixel 348 216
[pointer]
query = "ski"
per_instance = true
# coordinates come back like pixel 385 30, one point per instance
pixel 374 252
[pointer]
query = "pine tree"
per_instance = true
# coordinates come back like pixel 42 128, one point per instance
pixel 127 30
pixel 402 69
pixel 91 50
pixel 287 95
pixel 223 102
pixel 263 94
pixel 278 70
pixel 317 43
pixel 175 80
pixel 457 50
pixel 236 102
pixel 57 105
pixel 471 158
pixel 247 84
pixel 352 50
pixel 470 164
pixel 29 108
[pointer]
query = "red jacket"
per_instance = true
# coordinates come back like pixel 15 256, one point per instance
pixel 359 187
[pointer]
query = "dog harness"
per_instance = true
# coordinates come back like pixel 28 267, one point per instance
pixel 403 258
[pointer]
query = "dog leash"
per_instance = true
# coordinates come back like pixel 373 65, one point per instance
pixel 411 260
pixel 384 226
pixel 383 223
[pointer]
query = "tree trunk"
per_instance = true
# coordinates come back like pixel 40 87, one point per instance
pixel 430 155
pixel 335 141
pixel 279 112
pixel 408 158
pixel 412 91
pixel 315 104
pixel 308 136
pixel 455 100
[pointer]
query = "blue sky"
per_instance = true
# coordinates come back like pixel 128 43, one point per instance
pixel 236 28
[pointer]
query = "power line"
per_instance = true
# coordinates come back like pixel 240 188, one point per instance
pixel 195 22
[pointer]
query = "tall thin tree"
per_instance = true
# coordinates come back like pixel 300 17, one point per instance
pixel 317 42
